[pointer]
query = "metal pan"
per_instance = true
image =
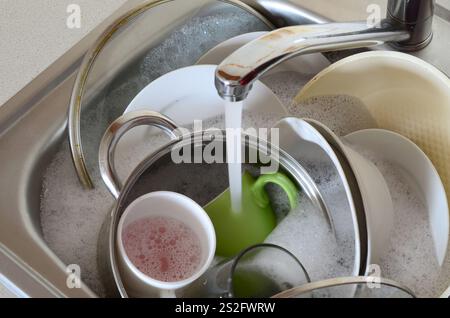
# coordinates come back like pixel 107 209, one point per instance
pixel 158 172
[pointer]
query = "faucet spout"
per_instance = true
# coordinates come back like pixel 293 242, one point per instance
pixel 236 74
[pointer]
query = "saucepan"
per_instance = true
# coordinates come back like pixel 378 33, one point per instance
pixel 202 181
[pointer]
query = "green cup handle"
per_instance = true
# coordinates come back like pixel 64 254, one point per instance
pixel 262 199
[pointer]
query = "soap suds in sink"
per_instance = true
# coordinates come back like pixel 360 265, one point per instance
pixel 71 217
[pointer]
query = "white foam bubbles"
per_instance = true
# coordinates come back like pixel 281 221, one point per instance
pixel 304 232
pixel 343 114
pixel 71 217
pixel 163 248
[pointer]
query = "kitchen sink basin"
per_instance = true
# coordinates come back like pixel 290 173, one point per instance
pixel 33 124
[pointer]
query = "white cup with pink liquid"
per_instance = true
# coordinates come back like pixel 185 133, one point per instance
pixel 165 241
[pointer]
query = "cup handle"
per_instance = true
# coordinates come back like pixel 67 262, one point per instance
pixel 113 134
pixel 262 199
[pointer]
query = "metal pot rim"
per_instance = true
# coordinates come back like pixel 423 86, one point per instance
pixel 78 91
pixel 287 162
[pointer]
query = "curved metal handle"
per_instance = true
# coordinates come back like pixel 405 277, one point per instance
pixel 115 132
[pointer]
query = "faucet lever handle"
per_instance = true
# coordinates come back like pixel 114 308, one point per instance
pixel 416 16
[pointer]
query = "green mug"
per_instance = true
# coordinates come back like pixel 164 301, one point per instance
pixel 236 231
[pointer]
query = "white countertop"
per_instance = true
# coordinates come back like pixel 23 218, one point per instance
pixel 34 34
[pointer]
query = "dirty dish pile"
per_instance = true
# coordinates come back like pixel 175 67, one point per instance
pixel 78 245
pixel 378 217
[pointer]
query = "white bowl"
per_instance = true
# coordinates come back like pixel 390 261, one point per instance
pixel 366 190
pixel 419 170
pixel 403 93
pixel 376 198
pixel 189 94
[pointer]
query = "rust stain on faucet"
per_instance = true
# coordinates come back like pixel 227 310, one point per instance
pixel 291 49
pixel 278 34
pixel 237 65
pixel 288 31
pixel 228 77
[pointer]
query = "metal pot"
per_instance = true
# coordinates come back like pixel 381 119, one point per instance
pixel 153 174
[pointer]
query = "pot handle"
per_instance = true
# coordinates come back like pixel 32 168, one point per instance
pixel 115 132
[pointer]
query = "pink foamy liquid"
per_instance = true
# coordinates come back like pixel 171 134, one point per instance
pixel 163 248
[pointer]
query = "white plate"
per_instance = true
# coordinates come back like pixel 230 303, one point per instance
pixel 184 95
pixel 189 94
pixel 419 170
pixel 309 64
pixel 304 143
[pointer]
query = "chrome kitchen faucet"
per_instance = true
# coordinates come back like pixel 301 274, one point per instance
pixel 407 27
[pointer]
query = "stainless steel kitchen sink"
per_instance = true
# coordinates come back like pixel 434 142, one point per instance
pixel 32 126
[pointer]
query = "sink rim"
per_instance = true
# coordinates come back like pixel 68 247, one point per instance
pixel 58 77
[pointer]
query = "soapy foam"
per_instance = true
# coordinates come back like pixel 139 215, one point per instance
pixel 177 49
pixel 71 217
pixel 304 231
pixel 163 248
pixel 286 84
pixel 343 114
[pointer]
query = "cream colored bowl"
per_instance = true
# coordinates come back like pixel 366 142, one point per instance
pixel 403 93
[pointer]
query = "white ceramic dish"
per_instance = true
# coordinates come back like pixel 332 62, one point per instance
pixel 378 207
pixel 189 94
pixel 419 170
pixel 308 65
pixel 305 144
